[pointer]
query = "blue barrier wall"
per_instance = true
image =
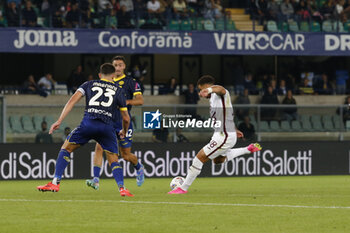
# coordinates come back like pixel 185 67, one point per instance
pixel 19 40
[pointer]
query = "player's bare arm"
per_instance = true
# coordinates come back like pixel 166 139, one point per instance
pixel 137 101
pixel 67 108
pixel 239 134
pixel 206 90
pixel 126 122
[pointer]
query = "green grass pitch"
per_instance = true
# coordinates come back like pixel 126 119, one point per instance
pixel 246 204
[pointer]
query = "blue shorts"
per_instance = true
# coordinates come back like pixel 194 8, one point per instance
pixel 127 141
pixel 95 129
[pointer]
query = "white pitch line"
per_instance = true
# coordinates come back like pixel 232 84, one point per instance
pixel 182 203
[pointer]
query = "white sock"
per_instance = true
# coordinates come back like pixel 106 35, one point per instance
pixel 192 173
pixel 54 181
pixel 233 153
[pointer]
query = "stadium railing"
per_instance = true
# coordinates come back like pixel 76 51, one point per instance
pixel 322 122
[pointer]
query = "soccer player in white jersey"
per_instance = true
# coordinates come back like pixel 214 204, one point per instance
pixel 219 149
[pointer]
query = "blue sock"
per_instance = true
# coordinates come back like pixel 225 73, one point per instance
pixel 137 166
pixel 62 162
pixel 97 171
pixel 117 171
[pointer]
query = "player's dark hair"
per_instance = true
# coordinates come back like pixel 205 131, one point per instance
pixel 107 69
pixel 119 58
pixel 206 79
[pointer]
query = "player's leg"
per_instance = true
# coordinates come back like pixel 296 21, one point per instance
pixel 117 172
pixel 98 157
pixel 128 156
pixel 192 172
pixel 125 151
pixel 195 169
pixel 236 152
pixel 230 154
pixel 108 141
pixel 62 162
pixel 78 137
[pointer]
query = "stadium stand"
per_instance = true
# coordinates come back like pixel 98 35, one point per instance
pixel 92 15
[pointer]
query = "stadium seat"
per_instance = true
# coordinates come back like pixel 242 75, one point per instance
pixel 40 21
pixel 326 118
pixel 140 22
pixel 315 118
pixel 317 126
pixel 347 26
pixel 296 126
pixel 254 124
pixel 220 24
pixel 328 126
pixel 199 24
pixel 285 126
pixel 138 122
pixel 231 26
pixel 37 122
pixel 327 26
pixel 209 25
pixel 337 123
pixel 315 27
pixel 304 118
pixel 16 124
pixel 304 26
pixel 27 124
pixel 264 126
pixel 272 26
pixel 49 120
pixel 320 3
pixel 274 126
pixel 8 126
pixel 338 26
pixel 174 25
pixel 283 27
pixel 186 25
pixel 252 117
pixel 347 125
pixel 293 26
pixel 307 126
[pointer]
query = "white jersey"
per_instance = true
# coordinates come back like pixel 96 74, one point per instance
pixel 221 110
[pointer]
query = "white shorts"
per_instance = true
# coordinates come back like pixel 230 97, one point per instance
pixel 219 144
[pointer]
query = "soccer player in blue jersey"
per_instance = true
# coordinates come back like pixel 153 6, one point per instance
pixel 104 100
pixel 133 98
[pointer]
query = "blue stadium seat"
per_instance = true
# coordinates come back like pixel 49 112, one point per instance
pixel 327 26
pixel 231 26
pixel 209 25
pixel 293 26
pixel 272 26
pixel 304 26
pixel 186 25
pixel 220 24
pixel 338 26
pixel 174 25
pixel 315 27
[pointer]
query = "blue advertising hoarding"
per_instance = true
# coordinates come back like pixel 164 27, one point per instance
pixel 29 40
